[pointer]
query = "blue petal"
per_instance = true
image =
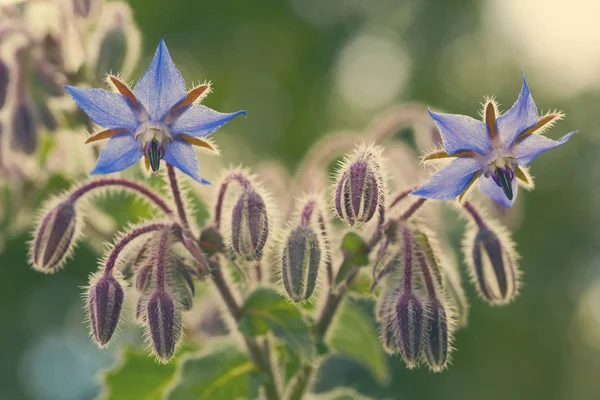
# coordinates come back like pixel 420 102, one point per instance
pixel 121 151
pixel 489 187
pixel 107 109
pixel 521 116
pixel 182 155
pixel 450 181
pixel 462 133
pixel 201 121
pixel 534 145
pixel 161 86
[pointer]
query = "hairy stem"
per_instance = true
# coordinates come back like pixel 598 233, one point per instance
pixel 401 196
pixel 412 209
pixel 177 196
pixel 125 240
pixel 234 176
pixel 260 358
pixel 161 258
pixel 476 215
pixel 141 190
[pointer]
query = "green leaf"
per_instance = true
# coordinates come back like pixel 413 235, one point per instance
pixel 223 371
pixel 265 311
pixel 356 254
pixel 355 336
pixel 138 376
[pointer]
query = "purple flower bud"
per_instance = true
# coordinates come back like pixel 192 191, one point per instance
pixel 300 261
pixel 55 237
pixel 388 322
pixel 105 300
pixel 164 322
pixel 409 316
pixel 359 189
pixel 141 310
pixel 24 132
pixel 4 79
pixel 493 265
pixel 436 335
pixel 143 279
pixel 249 225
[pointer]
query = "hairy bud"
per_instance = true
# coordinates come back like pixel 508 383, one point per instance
pixel 436 334
pixel 24 132
pixel 493 265
pixel 55 237
pixel 143 279
pixel 359 190
pixel 164 322
pixel 387 319
pixel 249 225
pixel 105 300
pixel 300 263
pixel 409 317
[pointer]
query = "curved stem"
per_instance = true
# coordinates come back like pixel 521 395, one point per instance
pixel 124 183
pixel 125 240
pixel 476 215
pixel 401 195
pixel 234 176
pixel 177 196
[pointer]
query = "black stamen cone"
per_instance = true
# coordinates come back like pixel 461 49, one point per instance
pixel 504 181
pixel 154 155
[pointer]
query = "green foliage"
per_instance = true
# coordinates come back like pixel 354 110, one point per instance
pixel 356 254
pixel 265 310
pixel 341 394
pixel 355 336
pixel 223 371
pixel 138 376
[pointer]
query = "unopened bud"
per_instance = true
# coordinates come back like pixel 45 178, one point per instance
pixel 300 263
pixel 55 237
pixel 143 279
pixel 436 335
pixel 493 266
pixel 388 322
pixel 105 300
pixel 249 225
pixel 359 190
pixel 409 316
pixel 164 322
pixel 141 310
pixel 24 132
pixel 211 241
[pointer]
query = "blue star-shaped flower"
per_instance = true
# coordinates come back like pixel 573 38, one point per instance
pixel 495 151
pixel 159 119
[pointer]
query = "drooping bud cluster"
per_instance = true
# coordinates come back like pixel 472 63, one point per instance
pixel 359 191
pixel 412 311
pixel 57 232
pixel 491 258
pixel 304 249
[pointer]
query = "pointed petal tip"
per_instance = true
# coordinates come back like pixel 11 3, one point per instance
pixel 204 181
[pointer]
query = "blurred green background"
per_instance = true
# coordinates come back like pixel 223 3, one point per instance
pixel 301 68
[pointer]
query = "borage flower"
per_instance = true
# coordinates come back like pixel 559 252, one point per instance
pixel 495 151
pixel 158 119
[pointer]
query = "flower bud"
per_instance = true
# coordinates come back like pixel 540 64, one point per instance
pixel 55 237
pixel 493 266
pixel 141 310
pixel 300 261
pixel 164 322
pixel 409 316
pixel 211 241
pixel 105 300
pixel 24 133
pixel 249 225
pixel 436 335
pixel 359 190
pixel 143 279
pixel 389 325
